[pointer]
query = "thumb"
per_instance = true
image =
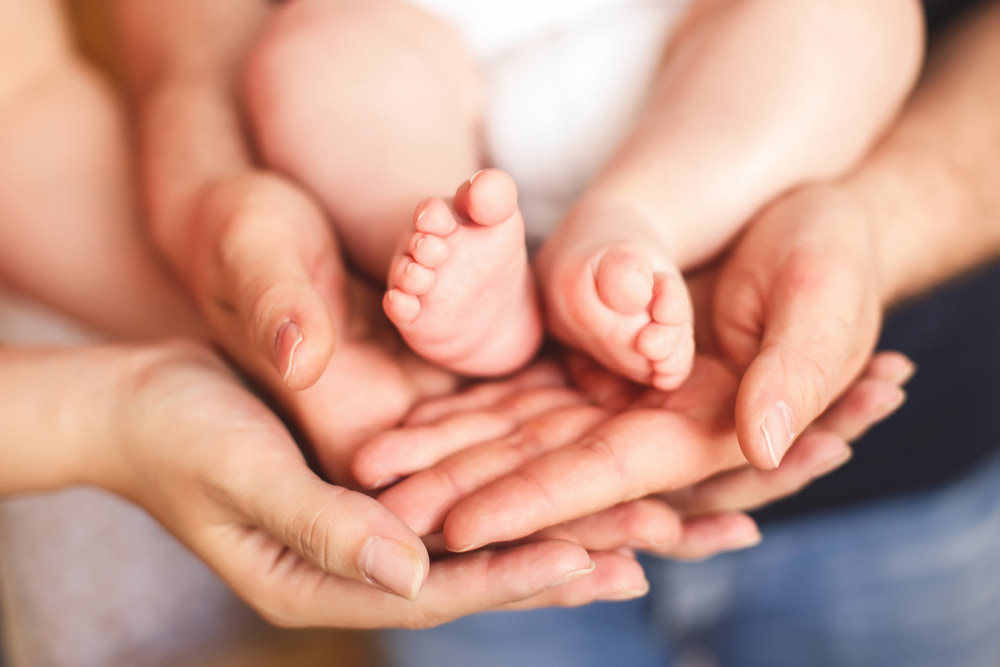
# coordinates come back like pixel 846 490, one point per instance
pixel 269 274
pixel 343 532
pixel 819 327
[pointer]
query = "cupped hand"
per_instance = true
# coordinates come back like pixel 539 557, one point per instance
pixel 222 473
pixel 512 458
pixel 796 311
pixel 266 271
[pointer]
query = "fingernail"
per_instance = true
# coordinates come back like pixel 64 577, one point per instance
pixel 286 341
pixel 392 566
pixel 421 210
pixel 777 429
pixel 626 593
pixel 573 574
pixel 473 178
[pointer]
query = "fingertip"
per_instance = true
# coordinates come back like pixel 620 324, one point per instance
pixel 301 360
pixel 394 566
pixel 286 343
pixel 778 430
pixel 765 423
pixel 891 366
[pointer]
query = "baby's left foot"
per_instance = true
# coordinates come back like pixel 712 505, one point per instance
pixel 616 296
pixel 461 291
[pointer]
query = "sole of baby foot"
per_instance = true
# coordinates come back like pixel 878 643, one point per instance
pixel 461 291
pixel 631 317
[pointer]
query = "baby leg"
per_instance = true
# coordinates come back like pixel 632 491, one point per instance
pixel 460 289
pixel 372 105
pixel 69 224
pixel 751 99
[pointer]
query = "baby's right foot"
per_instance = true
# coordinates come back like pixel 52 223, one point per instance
pixel 460 291
pixel 611 290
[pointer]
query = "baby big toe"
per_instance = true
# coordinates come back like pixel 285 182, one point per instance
pixel 624 281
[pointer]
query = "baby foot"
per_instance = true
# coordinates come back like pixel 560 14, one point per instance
pixel 460 290
pixel 619 301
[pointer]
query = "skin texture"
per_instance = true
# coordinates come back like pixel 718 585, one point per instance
pixel 66 196
pixel 904 175
pixel 804 319
pixel 610 275
pixel 168 427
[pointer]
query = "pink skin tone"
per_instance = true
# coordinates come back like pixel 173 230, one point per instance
pixel 460 291
pixel 609 295
pixel 509 459
pixel 704 155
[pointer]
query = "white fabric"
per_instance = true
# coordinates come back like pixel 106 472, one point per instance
pixel 564 80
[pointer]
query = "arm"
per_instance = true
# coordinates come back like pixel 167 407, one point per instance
pixel 254 249
pixel 932 184
pixel 801 315
pixel 756 96
pixel 183 62
pixel 169 428
pixel 65 195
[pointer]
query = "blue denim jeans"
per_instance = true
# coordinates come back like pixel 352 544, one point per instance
pixel 908 582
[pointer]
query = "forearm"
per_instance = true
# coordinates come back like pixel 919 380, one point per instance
pixel 185 58
pixel 933 185
pixel 755 96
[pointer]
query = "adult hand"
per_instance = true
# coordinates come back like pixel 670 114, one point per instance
pixel 266 271
pixel 805 270
pixel 254 248
pixel 544 456
pixel 184 440
pixel 796 311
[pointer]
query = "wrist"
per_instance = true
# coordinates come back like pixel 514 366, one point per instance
pixel 917 209
pixel 57 407
pixel 141 382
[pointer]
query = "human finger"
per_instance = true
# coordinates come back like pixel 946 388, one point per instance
pixel 626 457
pixel 814 454
pixel 644 524
pixel 400 452
pixel 481 396
pixel 820 450
pixel 706 535
pixel 268 274
pixel 814 339
pixel 875 396
pixel 291 592
pixel 424 499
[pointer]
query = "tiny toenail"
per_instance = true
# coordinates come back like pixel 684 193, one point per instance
pixel 421 211
pixel 475 175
